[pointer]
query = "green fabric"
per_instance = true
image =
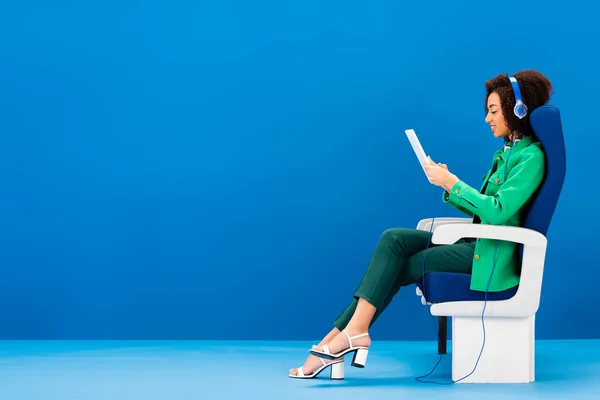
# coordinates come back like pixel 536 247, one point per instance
pixel 501 201
pixel 398 261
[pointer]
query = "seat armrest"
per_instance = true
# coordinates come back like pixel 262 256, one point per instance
pixel 425 224
pixel 451 233
pixel 526 301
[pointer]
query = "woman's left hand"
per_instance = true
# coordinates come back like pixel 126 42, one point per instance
pixel 440 175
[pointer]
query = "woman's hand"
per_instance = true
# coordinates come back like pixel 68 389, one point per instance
pixel 439 175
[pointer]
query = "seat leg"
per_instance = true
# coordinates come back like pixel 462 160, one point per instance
pixel 508 356
pixel 442 334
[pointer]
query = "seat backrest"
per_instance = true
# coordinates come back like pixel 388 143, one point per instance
pixel 547 126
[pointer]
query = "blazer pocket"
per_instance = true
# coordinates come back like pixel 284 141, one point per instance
pixel 496 179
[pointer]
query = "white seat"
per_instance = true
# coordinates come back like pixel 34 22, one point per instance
pixel 509 352
pixel 508 355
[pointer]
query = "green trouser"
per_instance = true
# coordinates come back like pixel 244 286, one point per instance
pixel 398 261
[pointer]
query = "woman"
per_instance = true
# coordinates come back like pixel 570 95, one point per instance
pixel 508 188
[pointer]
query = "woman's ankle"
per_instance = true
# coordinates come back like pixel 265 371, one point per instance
pixel 357 328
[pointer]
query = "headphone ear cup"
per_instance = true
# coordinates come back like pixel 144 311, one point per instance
pixel 520 110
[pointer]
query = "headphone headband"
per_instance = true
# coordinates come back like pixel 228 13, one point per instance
pixel 520 109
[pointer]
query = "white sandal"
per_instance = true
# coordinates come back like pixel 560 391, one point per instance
pixel 337 371
pixel 360 352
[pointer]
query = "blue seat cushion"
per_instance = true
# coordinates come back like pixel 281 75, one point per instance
pixel 444 287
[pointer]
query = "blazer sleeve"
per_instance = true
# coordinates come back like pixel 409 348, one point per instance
pixel 446 199
pixel 520 184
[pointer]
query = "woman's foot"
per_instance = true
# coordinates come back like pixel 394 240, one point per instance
pixel 312 364
pixel 349 337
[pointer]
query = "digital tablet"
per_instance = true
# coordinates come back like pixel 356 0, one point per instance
pixel 417 148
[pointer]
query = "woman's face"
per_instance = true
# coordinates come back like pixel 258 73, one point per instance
pixel 495 118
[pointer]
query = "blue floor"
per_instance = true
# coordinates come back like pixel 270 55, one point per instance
pixel 247 370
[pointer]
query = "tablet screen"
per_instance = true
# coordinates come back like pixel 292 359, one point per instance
pixel 417 148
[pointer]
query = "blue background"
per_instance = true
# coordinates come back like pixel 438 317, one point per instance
pixel 177 170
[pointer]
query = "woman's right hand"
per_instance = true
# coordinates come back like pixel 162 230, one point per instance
pixel 439 164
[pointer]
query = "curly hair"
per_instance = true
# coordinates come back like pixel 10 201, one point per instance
pixel 536 90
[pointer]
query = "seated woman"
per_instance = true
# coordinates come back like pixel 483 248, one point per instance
pixel 508 188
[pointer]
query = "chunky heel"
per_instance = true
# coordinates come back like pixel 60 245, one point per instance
pixel 337 371
pixel 360 358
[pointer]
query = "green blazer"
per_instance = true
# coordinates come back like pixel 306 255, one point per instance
pixel 501 201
